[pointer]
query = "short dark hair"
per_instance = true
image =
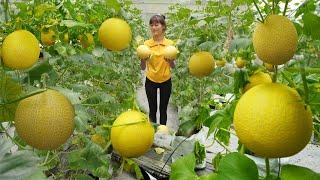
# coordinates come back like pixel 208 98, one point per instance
pixel 158 18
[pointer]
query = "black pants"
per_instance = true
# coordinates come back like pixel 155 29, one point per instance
pixel 165 92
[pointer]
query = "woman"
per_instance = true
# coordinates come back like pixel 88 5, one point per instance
pixel 158 73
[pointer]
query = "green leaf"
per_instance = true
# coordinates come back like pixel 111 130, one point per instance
pixel 209 46
pixel 216 161
pixel 20 165
pixel 183 168
pixel 271 177
pixel 199 152
pixel 221 119
pixel 293 172
pixel 37 175
pixel 307 7
pixel 81 119
pixel 9 91
pixel 240 79
pixel 311 25
pixel 82 177
pixel 213 121
pixel 211 176
pixel 100 97
pixel 42 8
pixel 236 166
pixel 73 97
pixel 114 4
pixel 35 73
pixel 72 23
pixel 134 167
pixel 299 28
pixel 91 158
pixel 240 43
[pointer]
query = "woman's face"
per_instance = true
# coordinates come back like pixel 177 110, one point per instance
pixel 156 29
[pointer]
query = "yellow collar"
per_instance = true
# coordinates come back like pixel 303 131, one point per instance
pixel 164 42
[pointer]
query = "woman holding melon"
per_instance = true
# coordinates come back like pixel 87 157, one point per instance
pixel 157 57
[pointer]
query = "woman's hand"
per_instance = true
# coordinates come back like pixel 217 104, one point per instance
pixel 143 63
pixel 146 59
pixel 171 62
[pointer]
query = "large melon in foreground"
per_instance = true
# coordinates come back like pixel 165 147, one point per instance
pixel 45 121
pixel 132 134
pixel 272 121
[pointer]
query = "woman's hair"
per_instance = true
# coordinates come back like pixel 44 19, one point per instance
pixel 158 18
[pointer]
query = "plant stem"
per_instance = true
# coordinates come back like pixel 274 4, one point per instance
pixel 258 10
pixel 47 157
pixel 272 6
pixel 3 80
pixel 226 130
pixel 279 167
pixel 91 105
pixel 266 3
pixel 172 154
pixel 6 9
pixel 285 8
pixel 24 97
pixel 242 149
pixel 291 83
pixel 221 144
pixel 11 138
pixel 274 77
pixel 304 80
pixel 55 155
pixel 127 124
pixel 200 92
pixel 307 70
pixel 267 167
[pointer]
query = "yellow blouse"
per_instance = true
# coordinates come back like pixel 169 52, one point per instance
pixel 158 69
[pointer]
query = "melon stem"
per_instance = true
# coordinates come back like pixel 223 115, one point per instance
pixel 267 167
pixel 127 124
pixel 304 80
pixel 255 4
pixel 274 77
pixel 11 138
pixel 285 8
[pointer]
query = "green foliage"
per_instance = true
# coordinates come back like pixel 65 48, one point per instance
pixel 237 166
pixel 101 84
pixel 9 91
pixel 90 157
pixel 199 152
pixel 183 169
pixel 18 165
pixel 311 25
pixel 292 172
pixel 225 30
pixel 232 166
